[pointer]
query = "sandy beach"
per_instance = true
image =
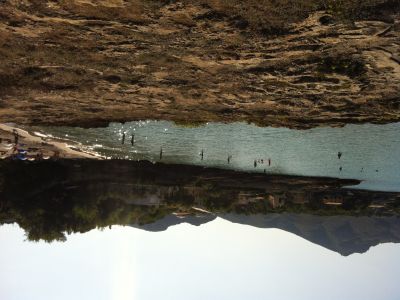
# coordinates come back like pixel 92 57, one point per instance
pixel 32 147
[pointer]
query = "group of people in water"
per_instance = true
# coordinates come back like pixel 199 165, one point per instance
pixel 256 163
pixel 201 154
pixel 341 168
pixel 132 138
pixel 261 161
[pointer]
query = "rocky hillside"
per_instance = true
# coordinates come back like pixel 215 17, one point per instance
pixel 87 62
pixel 51 198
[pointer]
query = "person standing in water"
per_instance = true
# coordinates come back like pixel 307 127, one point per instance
pixel 339 155
pixel 123 138
pixel 229 159
pixel 202 154
pixel 161 153
pixel 255 163
pixel 132 139
pixel 269 162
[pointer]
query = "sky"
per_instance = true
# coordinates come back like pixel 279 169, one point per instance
pixel 218 260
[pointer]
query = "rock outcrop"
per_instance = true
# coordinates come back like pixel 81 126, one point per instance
pixel 86 63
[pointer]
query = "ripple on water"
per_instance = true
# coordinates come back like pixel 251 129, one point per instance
pixel 366 148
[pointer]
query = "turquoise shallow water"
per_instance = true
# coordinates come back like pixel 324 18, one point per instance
pixel 370 152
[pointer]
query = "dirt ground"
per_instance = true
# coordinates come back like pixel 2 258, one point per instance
pixel 87 63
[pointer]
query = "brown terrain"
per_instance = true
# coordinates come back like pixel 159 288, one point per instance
pixel 87 62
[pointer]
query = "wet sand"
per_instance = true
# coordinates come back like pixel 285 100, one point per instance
pixel 39 147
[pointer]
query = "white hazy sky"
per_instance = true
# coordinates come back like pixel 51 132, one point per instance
pixel 218 260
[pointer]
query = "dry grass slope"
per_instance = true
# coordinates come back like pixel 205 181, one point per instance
pixel 300 63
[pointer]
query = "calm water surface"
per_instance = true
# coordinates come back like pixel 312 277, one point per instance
pixel 370 152
pixel 218 260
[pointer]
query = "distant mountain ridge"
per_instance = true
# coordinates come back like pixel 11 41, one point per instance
pixel 345 235
pixel 172 220
pixel 53 198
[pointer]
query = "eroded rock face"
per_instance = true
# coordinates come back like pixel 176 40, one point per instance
pixel 89 63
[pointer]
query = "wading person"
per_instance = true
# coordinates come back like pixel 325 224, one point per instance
pixel 132 139
pixel 123 138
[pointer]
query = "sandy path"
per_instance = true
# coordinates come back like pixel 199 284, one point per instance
pixel 47 145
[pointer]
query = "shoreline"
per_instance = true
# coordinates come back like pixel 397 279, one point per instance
pixel 45 147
